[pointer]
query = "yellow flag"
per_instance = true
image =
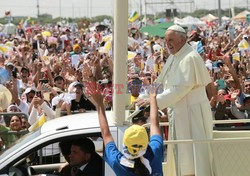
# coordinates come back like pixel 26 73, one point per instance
pixel 46 34
pixel 107 38
pixel 9 44
pixel 41 120
pixel 243 44
pixel 3 49
pixel 107 46
pixel 156 67
pixel 236 56
pixel 131 55
pixel 134 16
pixel 162 52
pixel 142 65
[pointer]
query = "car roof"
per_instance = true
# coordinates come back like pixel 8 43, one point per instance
pixel 76 121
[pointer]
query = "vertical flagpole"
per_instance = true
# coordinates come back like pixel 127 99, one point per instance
pixel 60 10
pixel 145 16
pixel 120 60
pixel 219 12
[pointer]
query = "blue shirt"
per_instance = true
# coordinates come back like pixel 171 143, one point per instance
pixel 154 154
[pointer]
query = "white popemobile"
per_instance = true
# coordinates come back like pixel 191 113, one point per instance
pixel 77 125
pixel 230 148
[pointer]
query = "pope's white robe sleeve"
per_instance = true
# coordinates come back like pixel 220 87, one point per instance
pixel 172 95
pixel 33 116
pixel 50 114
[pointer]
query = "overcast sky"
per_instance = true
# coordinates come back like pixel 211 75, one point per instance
pixel 80 8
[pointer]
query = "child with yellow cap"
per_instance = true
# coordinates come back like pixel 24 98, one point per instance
pixel 141 156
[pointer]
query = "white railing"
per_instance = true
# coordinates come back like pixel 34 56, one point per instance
pixel 214 122
pixel 231 121
pixel 231 149
pixel 219 140
pixel 231 156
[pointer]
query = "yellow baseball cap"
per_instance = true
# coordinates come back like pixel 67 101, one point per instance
pixel 76 46
pixel 135 139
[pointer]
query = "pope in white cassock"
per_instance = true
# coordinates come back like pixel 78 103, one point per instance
pixel 184 78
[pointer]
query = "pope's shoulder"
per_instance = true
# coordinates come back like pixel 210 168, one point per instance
pixel 192 55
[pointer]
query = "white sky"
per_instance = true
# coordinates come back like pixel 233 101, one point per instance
pixel 80 8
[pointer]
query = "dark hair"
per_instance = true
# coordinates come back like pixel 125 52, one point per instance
pixel 65 146
pixel 147 109
pixel 245 99
pixel 25 68
pixel 16 116
pixel 139 168
pixel 136 82
pixel 85 144
pixel 139 116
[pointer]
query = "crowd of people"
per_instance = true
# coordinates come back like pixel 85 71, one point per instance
pixel 45 71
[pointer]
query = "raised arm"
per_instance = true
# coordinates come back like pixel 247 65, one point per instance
pixel 232 70
pixel 107 137
pixel 154 120
pixel 98 99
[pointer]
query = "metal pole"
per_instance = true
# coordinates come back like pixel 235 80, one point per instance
pixel 232 9
pixel 120 60
pixel 145 4
pixel 219 12
pixel 38 11
pixel 60 10
pixel 87 8
pixel 191 6
pixel 140 8
pixel 90 9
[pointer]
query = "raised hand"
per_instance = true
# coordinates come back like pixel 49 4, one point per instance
pixel 98 98
pixel 37 101
pixel 235 94
pixel 87 72
pixel 153 77
pixel 221 99
pixel 142 102
pixel 153 90
pixel 39 86
pixel 226 59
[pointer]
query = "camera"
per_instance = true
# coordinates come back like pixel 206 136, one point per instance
pixel 34 56
pixel 104 81
pixel 43 81
pixel 38 93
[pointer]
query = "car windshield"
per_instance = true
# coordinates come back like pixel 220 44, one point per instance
pixel 21 141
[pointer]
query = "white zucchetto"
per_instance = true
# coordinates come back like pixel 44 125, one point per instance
pixel 176 28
